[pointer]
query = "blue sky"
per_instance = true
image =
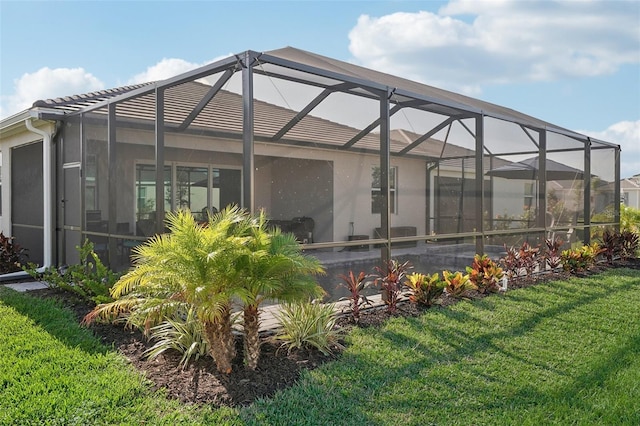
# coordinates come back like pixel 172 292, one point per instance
pixel 573 63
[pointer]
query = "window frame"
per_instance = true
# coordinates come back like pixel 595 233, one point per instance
pixel 393 190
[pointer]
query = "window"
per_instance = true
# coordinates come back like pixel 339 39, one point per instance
pixel 529 189
pixel 146 191
pixel 198 188
pixel 376 196
pixel 90 189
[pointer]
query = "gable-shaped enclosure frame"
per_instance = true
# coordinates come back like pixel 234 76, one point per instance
pixel 462 179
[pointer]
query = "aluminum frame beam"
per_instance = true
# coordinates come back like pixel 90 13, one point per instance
pixel 159 159
pixel 385 163
pixel 207 98
pixel 248 174
pixel 427 135
pixel 587 191
pixel 307 109
pixel 397 107
pixel 479 182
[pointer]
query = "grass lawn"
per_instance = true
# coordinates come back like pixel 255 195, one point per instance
pixel 53 372
pixel 558 353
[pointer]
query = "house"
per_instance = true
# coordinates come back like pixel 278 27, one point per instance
pixel 630 188
pixel 361 165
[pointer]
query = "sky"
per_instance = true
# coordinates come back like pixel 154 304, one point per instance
pixel 572 63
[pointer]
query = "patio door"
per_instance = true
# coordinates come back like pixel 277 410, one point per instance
pixel 197 188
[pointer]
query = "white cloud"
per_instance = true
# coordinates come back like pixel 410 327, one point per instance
pixel 48 83
pixel 627 135
pixel 167 68
pixel 500 41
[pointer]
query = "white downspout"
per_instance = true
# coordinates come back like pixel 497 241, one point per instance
pixel 46 189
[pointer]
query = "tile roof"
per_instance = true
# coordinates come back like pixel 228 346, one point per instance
pixel 223 114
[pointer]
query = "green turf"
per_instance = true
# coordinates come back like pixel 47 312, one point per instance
pixel 558 353
pixel 52 372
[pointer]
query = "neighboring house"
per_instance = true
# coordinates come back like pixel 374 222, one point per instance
pixel 630 188
pixel 336 153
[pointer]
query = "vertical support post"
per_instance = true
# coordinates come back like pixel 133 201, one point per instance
pixel 385 164
pixel 617 194
pixel 159 145
pixel 587 191
pixel 542 182
pixel 113 181
pixel 248 168
pixel 479 187
pixel 490 206
pixel 460 216
pixel 427 198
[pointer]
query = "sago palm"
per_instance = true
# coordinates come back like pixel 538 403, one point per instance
pixel 192 267
pixel 272 268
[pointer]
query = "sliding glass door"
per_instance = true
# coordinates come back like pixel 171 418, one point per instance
pixel 197 188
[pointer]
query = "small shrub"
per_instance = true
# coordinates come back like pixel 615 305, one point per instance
pixel 390 279
pixel 552 253
pixel 590 254
pixel 12 256
pixel 309 324
pixel 579 259
pixel 629 219
pixel 485 274
pixel 522 259
pixel 91 279
pixel 457 284
pixel 611 245
pixel 630 244
pixel 528 256
pixel 425 289
pixel 183 334
pixel 356 285
pixel 511 262
pixel 572 261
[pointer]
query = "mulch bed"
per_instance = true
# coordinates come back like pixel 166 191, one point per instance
pixel 199 383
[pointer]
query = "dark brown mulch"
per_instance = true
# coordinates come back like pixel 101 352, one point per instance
pixel 200 383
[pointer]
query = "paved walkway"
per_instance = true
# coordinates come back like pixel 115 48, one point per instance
pixel 27 286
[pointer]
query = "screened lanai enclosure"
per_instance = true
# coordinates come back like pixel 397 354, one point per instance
pixel 361 166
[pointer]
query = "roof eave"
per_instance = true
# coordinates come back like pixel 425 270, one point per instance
pixel 14 122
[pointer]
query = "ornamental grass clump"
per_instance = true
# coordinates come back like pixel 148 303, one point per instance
pixel 183 334
pixel 309 325
pixel 425 289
